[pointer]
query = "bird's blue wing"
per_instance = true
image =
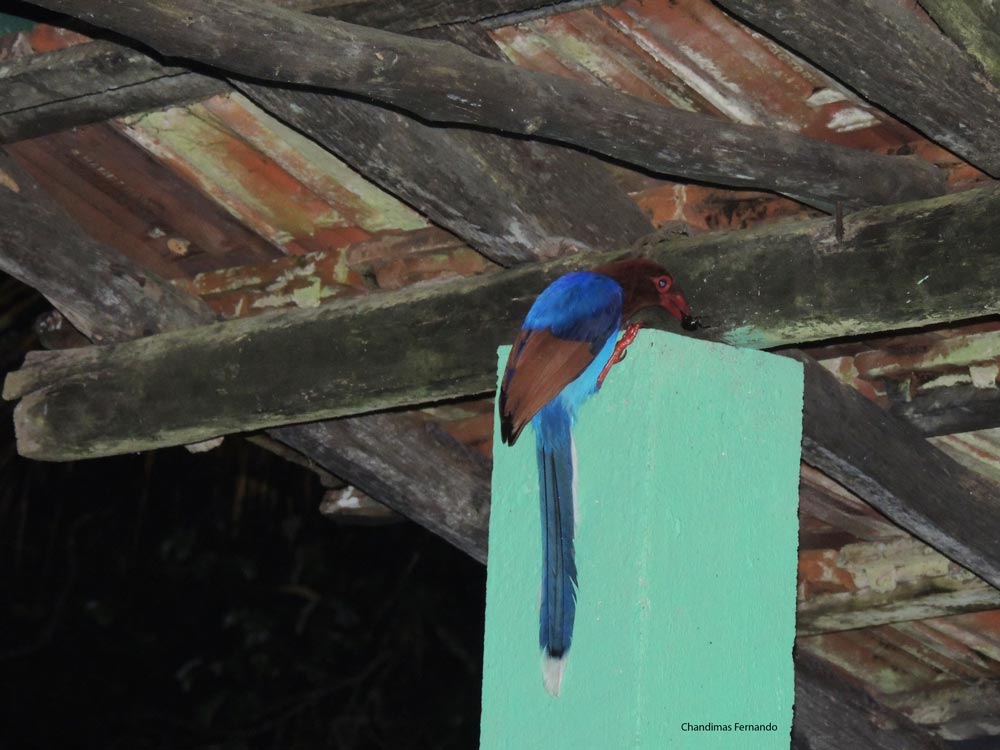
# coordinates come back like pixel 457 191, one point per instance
pixel 566 328
pixel 581 306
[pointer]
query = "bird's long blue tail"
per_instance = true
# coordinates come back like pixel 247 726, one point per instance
pixel 558 601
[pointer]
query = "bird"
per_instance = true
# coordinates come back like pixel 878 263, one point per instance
pixel 561 356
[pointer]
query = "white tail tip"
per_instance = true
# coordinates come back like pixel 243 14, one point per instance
pixel 552 673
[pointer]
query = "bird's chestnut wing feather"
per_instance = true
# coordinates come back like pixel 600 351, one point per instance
pixel 566 327
pixel 540 365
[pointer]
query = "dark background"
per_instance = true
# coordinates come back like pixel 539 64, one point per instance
pixel 167 600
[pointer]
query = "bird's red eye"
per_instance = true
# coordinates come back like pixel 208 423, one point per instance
pixel 663 283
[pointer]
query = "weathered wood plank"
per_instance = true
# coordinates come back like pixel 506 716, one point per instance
pixel 890 464
pixel 512 200
pixel 974 25
pixel 947 410
pixel 75 73
pixel 444 83
pixel 833 713
pixel 448 487
pixel 118 192
pixel 414 468
pixel 403 15
pixel 954 710
pixel 888 53
pixel 89 83
pixel 881 582
pixel 434 342
pixel 111 299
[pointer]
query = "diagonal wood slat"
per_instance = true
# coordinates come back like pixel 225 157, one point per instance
pixel 884 50
pixel 512 200
pixel 833 713
pixel 403 15
pixel 974 25
pixel 891 466
pixel 442 82
pixel 506 198
pixel 110 298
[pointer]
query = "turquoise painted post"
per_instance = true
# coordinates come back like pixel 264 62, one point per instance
pixel 687 534
pixel 10 24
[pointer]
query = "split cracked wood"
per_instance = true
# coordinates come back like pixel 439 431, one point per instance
pixel 513 200
pixel 443 83
pixel 89 83
pixel 439 341
pixel 405 15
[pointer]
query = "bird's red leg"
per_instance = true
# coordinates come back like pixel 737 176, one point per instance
pixel 631 331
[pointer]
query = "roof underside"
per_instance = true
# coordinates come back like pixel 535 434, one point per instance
pixel 231 204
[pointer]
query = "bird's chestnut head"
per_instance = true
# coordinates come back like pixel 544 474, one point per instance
pixel 648 284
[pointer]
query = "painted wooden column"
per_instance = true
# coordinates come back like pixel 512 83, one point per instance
pixel 686 547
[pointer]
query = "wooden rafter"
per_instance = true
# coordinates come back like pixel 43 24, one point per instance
pixel 413 467
pixel 90 83
pixel 832 713
pixel 951 409
pixel 902 62
pixel 974 25
pixel 405 15
pixel 889 463
pixel 504 197
pixel 439 342
pixel 112 299
pixel 442 82
pixel 122 302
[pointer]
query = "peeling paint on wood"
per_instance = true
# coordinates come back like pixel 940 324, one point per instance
pixel 386 262
pixel 357 201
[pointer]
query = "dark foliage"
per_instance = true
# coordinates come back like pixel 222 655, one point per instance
pixel 174 600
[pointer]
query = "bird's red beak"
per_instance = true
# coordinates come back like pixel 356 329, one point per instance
pixel 675 304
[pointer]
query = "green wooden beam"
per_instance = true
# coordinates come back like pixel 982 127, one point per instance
pixel 895 267
pixel 974 25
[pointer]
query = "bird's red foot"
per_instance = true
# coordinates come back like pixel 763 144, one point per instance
pixel 631 331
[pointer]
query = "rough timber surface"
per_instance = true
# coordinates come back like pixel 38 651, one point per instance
pixel 895 267
pixel 442 82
